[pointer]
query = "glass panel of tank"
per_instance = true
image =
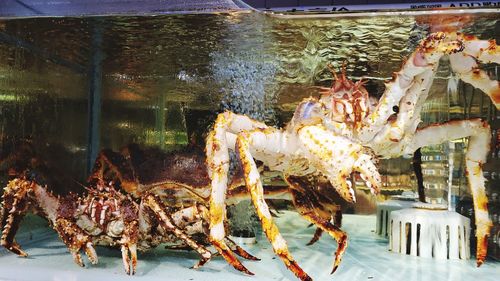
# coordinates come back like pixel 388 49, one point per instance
pixel 160 80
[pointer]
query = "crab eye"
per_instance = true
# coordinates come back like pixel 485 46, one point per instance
pixel 308 107
pixel 395 109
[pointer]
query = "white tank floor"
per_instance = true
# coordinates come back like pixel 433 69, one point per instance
pixel 367 258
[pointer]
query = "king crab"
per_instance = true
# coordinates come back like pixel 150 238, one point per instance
pixel 102 216
pixel 341 132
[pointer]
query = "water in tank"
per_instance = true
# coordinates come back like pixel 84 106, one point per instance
pixel 73 89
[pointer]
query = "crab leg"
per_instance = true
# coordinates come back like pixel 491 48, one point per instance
pixel 219 141
pixel 308 208
pixel 204 212
pixel 478 78
pixel 254 184
pixel 76 240
pixel 465 65
pixel 486 51
pixel 337 234
pixel 479 136
pixel 304 206
pixel 388 140
pixel 317 234
pixel 336 220
pixel 19 196
pixel 461 49
pixel 184 217
pixel 239 251
pixel 426 60
pixel 395 90
pixel 15 206
pixel 72 235
pixel 129 236
pixel 322 199
pixel 168 224
pixel 125 249
pixel 463 52
pixel 8 233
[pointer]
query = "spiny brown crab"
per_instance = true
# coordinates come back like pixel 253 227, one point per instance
pixel 342 131
pixel 106 217
pixel 181 178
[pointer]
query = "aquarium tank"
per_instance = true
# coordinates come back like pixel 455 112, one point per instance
pixel 131 91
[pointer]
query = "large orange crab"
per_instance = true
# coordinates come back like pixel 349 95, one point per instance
pixel 342 130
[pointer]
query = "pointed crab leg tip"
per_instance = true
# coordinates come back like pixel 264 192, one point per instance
pixel 78 260
pixel 248 272
pixel 479 261
pixel 306 278
pixel 334 269
pixel 19 251
pixel 252 258
pixel 91 253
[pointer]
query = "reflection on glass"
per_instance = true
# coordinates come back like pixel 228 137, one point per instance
pixel 164 78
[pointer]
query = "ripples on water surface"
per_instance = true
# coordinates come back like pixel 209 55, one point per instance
pixel 190 66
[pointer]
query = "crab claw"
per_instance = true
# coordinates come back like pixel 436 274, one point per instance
pixel 368 172
pixel 345 190
pixel 89 251
pixel 130 267
pixel 364 165
pixel 76 241
pixel 337 157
